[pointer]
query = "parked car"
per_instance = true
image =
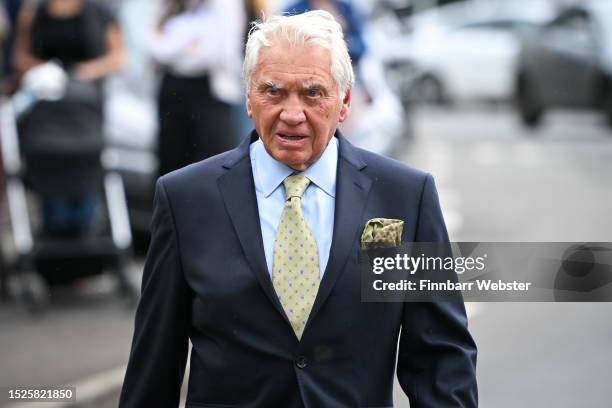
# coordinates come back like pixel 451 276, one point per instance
pixel 467 50
pixel 567 63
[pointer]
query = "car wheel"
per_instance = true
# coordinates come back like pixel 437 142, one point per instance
pixel 529 108
pixel 429 90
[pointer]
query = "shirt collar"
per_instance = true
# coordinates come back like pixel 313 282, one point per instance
pixel 271 173
pixel 323 171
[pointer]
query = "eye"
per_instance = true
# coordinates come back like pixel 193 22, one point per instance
pixel 272 91
pixel 313 92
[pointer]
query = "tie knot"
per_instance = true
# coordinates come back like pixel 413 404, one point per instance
pixel 295 186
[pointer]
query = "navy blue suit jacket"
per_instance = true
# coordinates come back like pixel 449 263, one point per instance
pixel 206 280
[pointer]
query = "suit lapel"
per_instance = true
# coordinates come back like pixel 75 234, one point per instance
pixel 353 187
pixel 238 191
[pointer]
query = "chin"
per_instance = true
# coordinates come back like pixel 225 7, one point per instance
pixel 292 161
pixel 297 166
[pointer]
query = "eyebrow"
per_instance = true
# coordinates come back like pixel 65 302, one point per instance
pixel 270 84
pixel 312 85
pixel 305 86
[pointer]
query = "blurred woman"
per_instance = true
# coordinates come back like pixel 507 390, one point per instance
pixel 254 10
pixel 198 45
pixel 82 35
pixel 65 135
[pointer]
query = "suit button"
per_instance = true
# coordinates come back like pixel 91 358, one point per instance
pixel 301 362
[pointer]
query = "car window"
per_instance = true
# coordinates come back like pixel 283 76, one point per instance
pixel 576 20
pixel 576 23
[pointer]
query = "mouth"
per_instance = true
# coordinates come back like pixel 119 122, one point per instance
pixel 291 138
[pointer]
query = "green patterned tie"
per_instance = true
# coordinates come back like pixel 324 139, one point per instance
pixel 295 268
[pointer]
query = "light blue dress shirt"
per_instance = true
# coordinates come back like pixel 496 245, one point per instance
pixel 318 200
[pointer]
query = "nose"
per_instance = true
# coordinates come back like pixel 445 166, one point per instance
pixel 293 111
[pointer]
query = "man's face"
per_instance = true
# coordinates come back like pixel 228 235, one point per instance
pixel 294 103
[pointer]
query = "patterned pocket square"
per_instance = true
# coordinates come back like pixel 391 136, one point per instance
pixel 382 233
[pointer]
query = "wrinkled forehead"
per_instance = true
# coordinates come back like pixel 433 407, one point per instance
pixel 285 66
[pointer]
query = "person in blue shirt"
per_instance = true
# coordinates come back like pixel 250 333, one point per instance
pixel 345 14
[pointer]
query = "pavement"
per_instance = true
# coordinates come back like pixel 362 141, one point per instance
pixel 496 181
pixel 499 182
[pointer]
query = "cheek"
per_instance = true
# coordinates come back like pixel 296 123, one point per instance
pixel 267 111
pixel 329 110
pixel 323 109
pixel 319 144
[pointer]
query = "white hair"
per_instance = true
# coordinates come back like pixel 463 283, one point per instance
pixel 313 28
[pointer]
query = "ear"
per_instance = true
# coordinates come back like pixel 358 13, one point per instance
pixel 249 110
pixel 345 110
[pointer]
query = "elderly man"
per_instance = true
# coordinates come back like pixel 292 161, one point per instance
pixel 254 256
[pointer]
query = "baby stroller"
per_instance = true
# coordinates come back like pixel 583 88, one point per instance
pixel 58 154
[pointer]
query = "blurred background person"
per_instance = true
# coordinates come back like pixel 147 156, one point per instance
pixel 198 46
pixel 82 35
pixel 9 10
pixel 76 43
pixel 254 10
pixel 4 30
pixel 345 14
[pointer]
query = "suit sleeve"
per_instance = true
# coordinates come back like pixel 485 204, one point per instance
pixel 437 355
pixel 160 344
